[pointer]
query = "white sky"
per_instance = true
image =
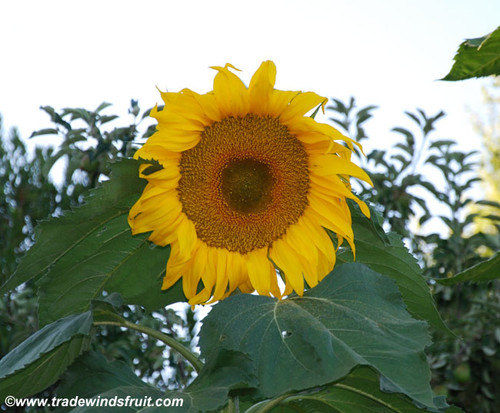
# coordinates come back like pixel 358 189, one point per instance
pixel 80 53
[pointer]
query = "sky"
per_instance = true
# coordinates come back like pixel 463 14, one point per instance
pixel 389 53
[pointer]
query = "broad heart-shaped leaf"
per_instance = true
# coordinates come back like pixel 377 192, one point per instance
pixel 484 271
pixel 91 249
pixel 358 392
pixel 386 254
pixel 38 362
pixel 477 58
pixel 353 317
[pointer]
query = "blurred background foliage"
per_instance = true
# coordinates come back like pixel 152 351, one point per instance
pixel 422 187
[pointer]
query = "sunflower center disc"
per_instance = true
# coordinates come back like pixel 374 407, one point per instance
pixel 244 183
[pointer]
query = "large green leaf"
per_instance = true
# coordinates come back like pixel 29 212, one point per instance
pixel 358 392
pixel 93 377
pixel 91 374
pixel 353 317
pixel 484 271
pixel 38 362
pixel 91 249
pixel 386 254
pixel 477 58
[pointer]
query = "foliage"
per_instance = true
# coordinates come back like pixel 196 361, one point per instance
pixel 472 312
pixel 29 195
pixel 477 57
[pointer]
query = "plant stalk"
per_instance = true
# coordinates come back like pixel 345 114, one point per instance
pixel 169 341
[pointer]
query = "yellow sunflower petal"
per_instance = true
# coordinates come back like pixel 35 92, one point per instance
pixel 305 251
pixel 279 101
pixel 300 105
pixel 336 165
pixel 238 274
pixel 175 140
pixel 184 105
pixel 260 271
pixel 230 92
pixel 283 256
pixel 208 103
pixel 156 152
pixel 186 234
pixel 261 88
pixel 221 276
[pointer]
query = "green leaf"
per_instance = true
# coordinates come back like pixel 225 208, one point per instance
pixel 132 399
pixel 358 392
pixel 409 136
pixel 477 58
pixel 91 249
pixel 102 106
pixel 223 371
pixel 92 374
pixel 390 257
pixel 489 203
pixel 353 317
pixel 38 362
pixel 47 131
pixel 484 271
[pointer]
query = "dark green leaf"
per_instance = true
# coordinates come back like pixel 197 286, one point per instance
pixel 105 119
pixel 91 249
pixel 477 58
pixel 353 317
pixel 443 142
pixel 144 399
pixel 358 392
pixel 102 106
pixel 391 258
pixel 38 361
pixel 409 136
pixel 414 117
pixel 223 371
pixel 485 271
pixel 489 203
pixel 47 131
pixel 92 374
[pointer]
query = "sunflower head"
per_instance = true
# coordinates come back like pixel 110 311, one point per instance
pixel 248 187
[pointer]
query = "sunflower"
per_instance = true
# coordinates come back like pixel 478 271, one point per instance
pixel 248 188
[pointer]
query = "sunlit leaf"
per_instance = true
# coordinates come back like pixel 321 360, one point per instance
pixel 477 58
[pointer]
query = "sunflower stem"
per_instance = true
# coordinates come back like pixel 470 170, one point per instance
pixel 169 341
